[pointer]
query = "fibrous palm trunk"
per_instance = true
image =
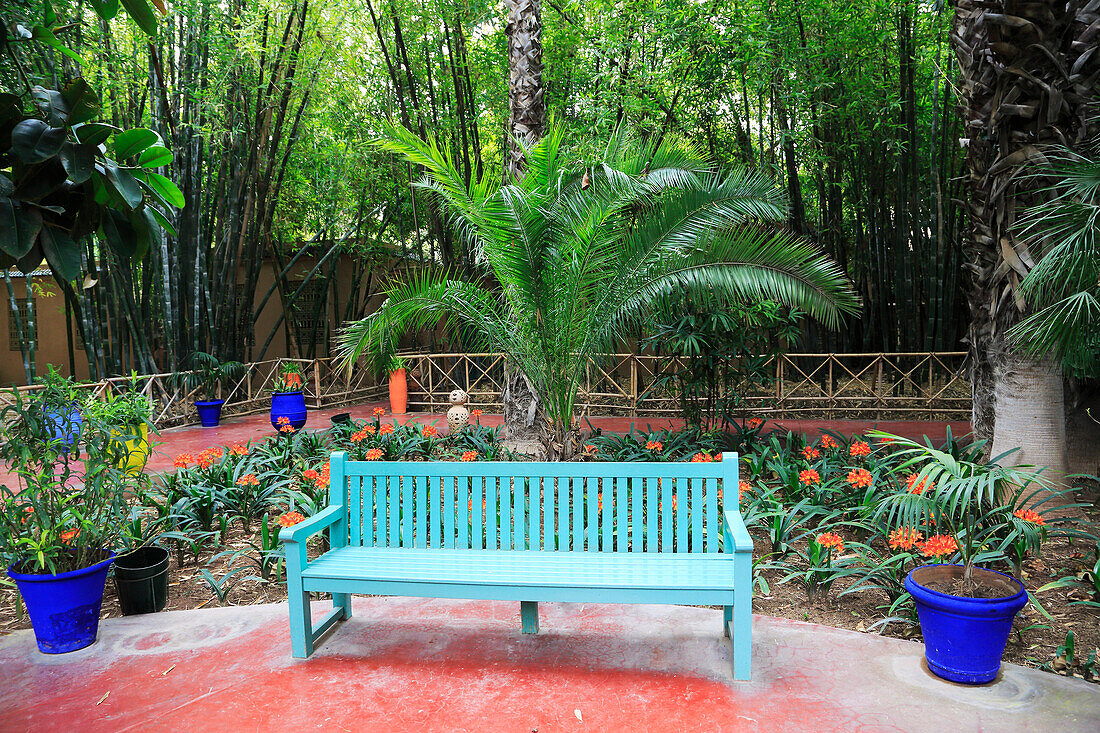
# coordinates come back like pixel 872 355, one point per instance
pixel 526 92
pixel 1028 74
pixel 523 416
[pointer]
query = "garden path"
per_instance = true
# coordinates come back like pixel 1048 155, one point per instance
pixel 417 664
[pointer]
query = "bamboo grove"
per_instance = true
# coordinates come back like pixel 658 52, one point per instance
pixel 270 108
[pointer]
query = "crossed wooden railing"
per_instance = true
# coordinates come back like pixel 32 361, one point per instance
pixel 925 386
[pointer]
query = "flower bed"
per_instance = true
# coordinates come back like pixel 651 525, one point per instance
pixel 826 549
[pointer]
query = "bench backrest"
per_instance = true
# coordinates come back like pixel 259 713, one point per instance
pixel 597 507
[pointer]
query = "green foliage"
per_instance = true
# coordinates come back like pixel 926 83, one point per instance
pixel 581 253
pixel 209 375
pixel 724 349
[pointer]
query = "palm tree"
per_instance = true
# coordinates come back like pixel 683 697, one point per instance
pixel 1027 75
pixel 578 254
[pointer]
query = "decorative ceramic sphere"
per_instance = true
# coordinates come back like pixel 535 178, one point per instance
pixel 458 416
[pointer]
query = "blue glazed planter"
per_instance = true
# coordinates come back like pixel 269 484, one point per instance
pixel 291 405
pixel 210 412
pixel 64 608
pixel 65 424
pixel 964 638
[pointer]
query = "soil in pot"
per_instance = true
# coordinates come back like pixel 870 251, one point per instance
pixel 970 588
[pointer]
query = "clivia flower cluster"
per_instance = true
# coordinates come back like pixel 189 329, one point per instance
pixel 860 478
pixel 859 449
pixel 654 445
pixel 809 477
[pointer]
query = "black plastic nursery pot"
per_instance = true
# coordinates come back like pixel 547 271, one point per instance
pixel 141 578
pixel 341 418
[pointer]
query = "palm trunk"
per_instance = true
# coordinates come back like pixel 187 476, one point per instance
pixel 526 92
pixel 1029 410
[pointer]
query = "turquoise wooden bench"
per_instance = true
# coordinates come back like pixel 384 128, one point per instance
pixel 527 532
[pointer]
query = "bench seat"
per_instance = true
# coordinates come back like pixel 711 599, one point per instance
pixel 526 575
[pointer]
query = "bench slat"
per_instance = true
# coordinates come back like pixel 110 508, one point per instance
pixel 696 515
pixel 712 515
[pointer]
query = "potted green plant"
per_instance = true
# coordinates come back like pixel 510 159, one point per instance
pixel 130 414
pixel 288 402
pixel 59 529
pixel 208 377
pixel 60 401
pixel 972 513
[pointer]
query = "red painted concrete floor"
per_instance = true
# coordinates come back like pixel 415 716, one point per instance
pixel 192 439
pixel 420 664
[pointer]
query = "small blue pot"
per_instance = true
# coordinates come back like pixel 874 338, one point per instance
pixel 964 638
pixel 210 412
pixel 292 406
pixel 65 424
pixel 64 608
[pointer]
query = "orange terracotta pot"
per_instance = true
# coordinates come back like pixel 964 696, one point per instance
pixel 399 392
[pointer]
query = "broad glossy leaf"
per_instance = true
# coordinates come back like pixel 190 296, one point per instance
pixel 78 161
pixel 118 233
pixel 6 186
pixel 83 102
pixel 44 34
pixel 155 156
pixel 105 9
pixel 35 141
pixel 161 219
pixel 40 179
pixel 142 14
pixel 49 17
pixel 124 184
pixel 19 227
pixel 94 133
pixel 164 188
pixel 146 230
pixel 29 262
pixel 52 104
pixel 61 252
pixel 131 142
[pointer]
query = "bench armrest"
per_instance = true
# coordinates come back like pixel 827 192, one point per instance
pixel 735 533
pixel 318 522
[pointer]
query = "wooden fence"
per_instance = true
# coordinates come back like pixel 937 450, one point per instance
pixel 919 386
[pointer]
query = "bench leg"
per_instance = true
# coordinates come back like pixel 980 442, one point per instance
pixel 301 624
pixel 740 629
pixel 343 601
pixel 529 615
pixel 727 619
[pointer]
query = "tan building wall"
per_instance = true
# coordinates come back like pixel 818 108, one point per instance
pixel 51 345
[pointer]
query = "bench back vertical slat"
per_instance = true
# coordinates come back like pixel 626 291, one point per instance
pixel 713 523
pixel 656 507
pixel 696 514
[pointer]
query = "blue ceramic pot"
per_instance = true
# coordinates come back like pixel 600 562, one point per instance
pixel 964 638
pixel 291 405
pixel 64 423
pixel 210 412
pixel 64 608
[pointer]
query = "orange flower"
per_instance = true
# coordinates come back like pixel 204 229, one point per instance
pixel 359 436
pixel 702 458
pixel 27 512
pixel 591 450
pixel 470 455
pixel 429 431
pixel 831 540
pixel 809 476
pixel 905 538
pixel 754 423
pixel 70 534
pixel 183 460
pixel 288 429
pixel 374 454
pixel 599 502
pixel 827 442
pixel 249 479
pixel 654 445
pixel 939 546
pixel 284 420
pixel 917 488
pixel 475 414
pixel 206 458
pixel 378 411
pixel 1029 516
pixel 239 450
pixel 859 449
pixel 810 453
pixel 310 475
pixel 290 519
pixel 887 440
pixel 744 487
pixel 386 429
pixel 860 478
